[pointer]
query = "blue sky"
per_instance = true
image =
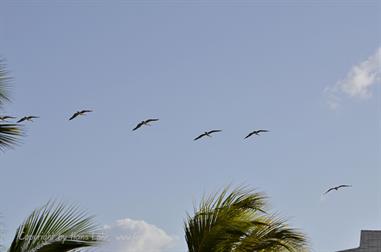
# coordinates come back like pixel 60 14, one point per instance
pixel 196 66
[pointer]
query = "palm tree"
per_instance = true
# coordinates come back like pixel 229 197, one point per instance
pixel 55 228
pixel 237 222
pixel 9 132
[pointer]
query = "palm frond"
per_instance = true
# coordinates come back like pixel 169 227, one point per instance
pixel 2 248
pixel 274 236
pixel 55 227
pixel 9 134
pixel 4 80
pixel 237 222
pixel 220 219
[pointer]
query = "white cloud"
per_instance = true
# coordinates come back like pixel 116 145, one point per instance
pixel 358 82
pixel 129 235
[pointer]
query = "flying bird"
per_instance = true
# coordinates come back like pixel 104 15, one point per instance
pixel 78 113
pixel 145 122
pixel 207 133
pixel 4 118
pixel 336 188
pixel 256 132
pixel 27 118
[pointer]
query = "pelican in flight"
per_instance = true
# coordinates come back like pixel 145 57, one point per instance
pixel 78 113
pixel 256 132
pixel 4 118
pixel 336 188
pixel 207 133
pixel 145 122
pixel 27 118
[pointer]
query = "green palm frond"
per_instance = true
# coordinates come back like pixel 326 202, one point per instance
pixel 4 80
pixel 9 134
pixel 274 236
pixel 237 222
pixel 55 227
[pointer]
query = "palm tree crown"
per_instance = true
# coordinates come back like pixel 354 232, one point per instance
pixel 55 228
pixel 237 222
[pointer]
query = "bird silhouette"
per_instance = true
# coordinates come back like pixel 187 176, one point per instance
pixel 207 133
pixel 78 113
pixel 145 122
pixel 336 188
pixel 256 132
pixel 4 118
pixel 27 118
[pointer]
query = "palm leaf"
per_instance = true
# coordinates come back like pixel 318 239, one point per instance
pixel 55 227
pixel 1 233
pixel 4 80
pixel 220 220
pixel 9 134
pixel 237 222
pixel 275 235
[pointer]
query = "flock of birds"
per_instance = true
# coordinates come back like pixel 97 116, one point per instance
pixel 147 123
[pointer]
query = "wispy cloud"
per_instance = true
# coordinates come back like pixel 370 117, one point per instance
pixel 127 235
pixel 358 82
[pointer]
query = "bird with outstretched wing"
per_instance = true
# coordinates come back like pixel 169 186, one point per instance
pixel 5 118
pixel 78 113
pixel 256 132
pixel 27 118
pixel 337 188
pixel 207 133
pixel 145 123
